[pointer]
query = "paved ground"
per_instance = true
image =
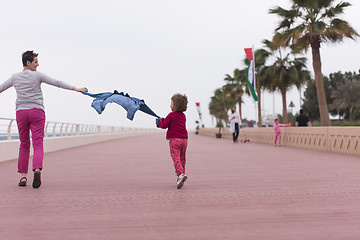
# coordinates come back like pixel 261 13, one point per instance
pixel 125 189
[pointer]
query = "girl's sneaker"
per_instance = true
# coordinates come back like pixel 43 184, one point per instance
pixel 180 181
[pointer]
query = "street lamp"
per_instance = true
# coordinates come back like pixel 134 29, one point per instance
pixel 291 105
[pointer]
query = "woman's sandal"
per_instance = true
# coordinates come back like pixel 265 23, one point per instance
pixel 22 182
pixel 37 179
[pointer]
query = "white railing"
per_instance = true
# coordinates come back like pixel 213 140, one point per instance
pixel 60 136
pixel 9 131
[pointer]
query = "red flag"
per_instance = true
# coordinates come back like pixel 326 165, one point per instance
pixel 249 54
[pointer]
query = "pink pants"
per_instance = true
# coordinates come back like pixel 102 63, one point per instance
pixel 178 151
pixel 277 137
pixel 30 120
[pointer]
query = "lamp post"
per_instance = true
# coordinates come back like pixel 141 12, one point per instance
pixel 291 105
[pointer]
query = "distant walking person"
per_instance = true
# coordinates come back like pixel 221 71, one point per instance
pixel 302 120
pixel 235 123
pixel 177 135
pixel 30 115
pixel 277 131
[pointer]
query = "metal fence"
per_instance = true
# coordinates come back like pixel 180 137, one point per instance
pixel 9 131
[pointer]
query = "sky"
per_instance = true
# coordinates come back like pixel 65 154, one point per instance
pixel 150 49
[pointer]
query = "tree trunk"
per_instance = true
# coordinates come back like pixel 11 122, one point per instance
pixel 351 113
pixel 226 118
pixel 323 108
pixel 258 91
pixel 240 108
pixel 283 97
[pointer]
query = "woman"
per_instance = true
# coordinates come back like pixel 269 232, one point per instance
pixel 30 115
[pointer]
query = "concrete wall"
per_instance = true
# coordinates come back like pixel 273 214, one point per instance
pixel 10 149
pixel 333 139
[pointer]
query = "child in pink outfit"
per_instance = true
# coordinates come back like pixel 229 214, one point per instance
pixel 177 135
pixel 277 130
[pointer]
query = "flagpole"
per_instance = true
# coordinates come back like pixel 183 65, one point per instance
pixel 199 112
pixel 273 103
pixel 256 115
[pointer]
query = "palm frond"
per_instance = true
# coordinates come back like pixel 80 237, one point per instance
pixel 228 78
pixel 323 3
pixel 339 9
pixel 319 27
pixel 286 14
pixel 302 44
pixel 261 56
pixel 343 28
pixel 317 23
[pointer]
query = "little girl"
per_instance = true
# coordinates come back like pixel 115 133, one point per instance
pixel 277 130
pixel 177 135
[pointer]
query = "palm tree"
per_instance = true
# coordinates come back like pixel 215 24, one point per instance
pixel 236 87
pixel 347 96
pixel 310 23
pixel 220 105
pixel 283 74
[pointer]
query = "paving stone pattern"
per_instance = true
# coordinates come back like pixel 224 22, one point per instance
pixel 125 189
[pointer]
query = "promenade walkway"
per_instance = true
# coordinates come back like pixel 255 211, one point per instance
pixel 125 189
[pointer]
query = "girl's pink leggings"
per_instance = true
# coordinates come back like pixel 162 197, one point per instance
pixel 30 120
pixel 178 154
pixel 277 138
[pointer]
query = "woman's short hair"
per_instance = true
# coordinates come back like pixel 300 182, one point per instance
pixel 28 56
pixel 179 102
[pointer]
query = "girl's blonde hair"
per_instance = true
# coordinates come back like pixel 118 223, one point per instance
pixel 179 102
